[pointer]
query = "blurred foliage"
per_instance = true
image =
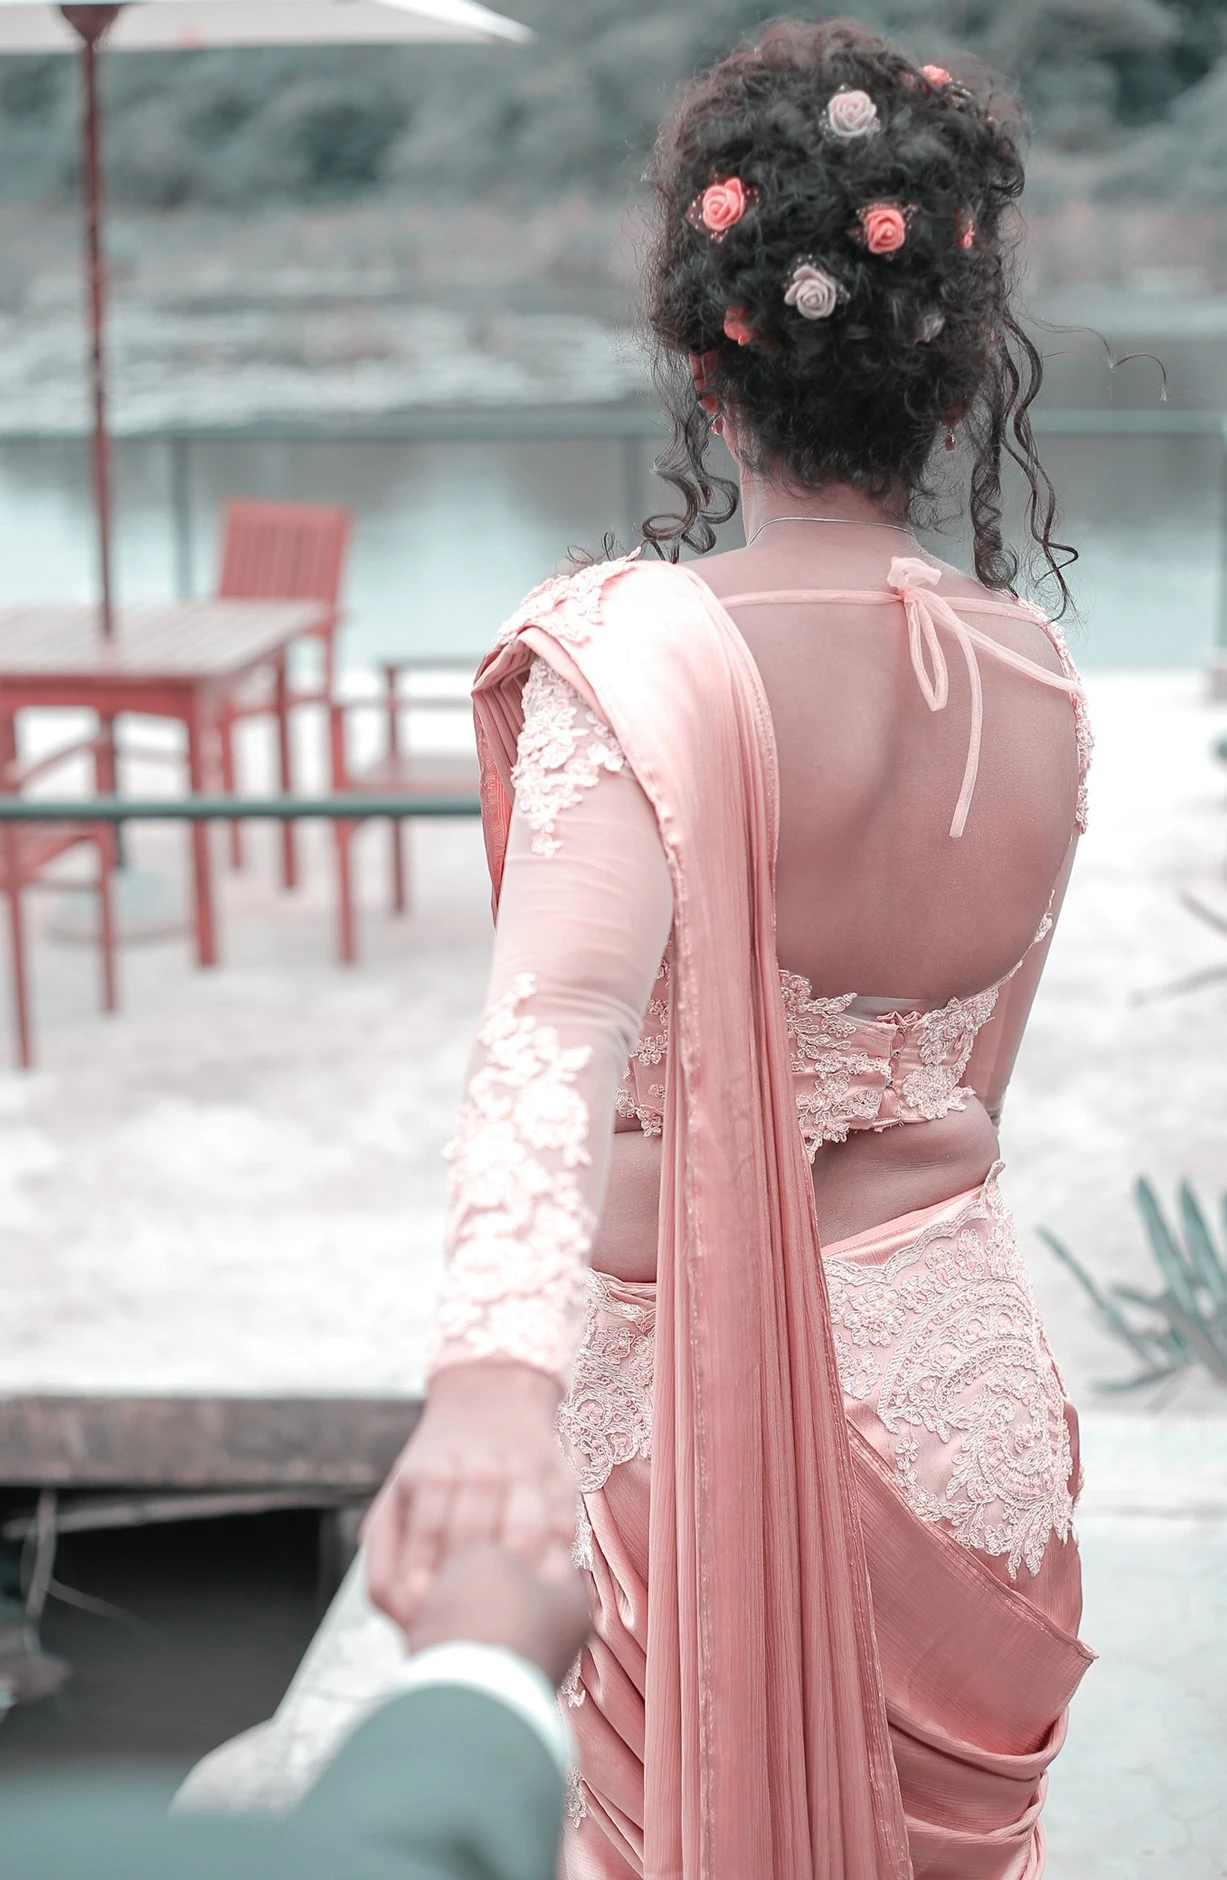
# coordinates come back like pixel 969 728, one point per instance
pixel 579 108
pixel 1185 1322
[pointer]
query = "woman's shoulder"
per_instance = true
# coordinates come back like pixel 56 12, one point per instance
pixel 574 605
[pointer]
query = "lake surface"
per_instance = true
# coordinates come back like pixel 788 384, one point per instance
pixel 449 535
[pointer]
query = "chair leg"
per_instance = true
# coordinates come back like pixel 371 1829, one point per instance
pixel 225 739
pixel 106 922
pixel 17 953
pixel 289 856
pixel 346 927
pixel 400 869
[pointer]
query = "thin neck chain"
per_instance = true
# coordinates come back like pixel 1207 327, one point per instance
pixel 856 522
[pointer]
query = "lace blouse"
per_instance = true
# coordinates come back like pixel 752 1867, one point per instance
pixel 576 1025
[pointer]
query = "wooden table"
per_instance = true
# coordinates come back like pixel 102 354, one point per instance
pixel 177 661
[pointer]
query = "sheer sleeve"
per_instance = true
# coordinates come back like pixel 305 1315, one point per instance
pixel 584 914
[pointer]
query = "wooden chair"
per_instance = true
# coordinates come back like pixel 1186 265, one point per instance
pixel 26 853
pixel 398 772
pixel 283 552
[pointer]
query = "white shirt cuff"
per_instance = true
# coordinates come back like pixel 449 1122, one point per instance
pixel 500 1674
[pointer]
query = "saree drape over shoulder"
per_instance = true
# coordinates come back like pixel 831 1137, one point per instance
pixel 799 1671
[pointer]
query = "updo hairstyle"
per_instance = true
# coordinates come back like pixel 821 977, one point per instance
pixel 844 341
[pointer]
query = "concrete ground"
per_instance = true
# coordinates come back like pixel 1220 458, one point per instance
pixel 236 1186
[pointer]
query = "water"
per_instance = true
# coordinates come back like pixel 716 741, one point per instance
pixel 449 535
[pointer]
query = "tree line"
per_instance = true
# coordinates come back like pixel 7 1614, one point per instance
pixel 1137 86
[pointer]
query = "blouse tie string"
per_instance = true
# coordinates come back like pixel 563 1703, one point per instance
pixel 913 581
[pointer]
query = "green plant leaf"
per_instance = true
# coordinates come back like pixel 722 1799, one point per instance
pixel 1142 1344
pixel 1204 1254
pixel 1181 1281
pixel 1194 1332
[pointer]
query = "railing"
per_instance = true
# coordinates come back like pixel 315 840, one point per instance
pixel 627 426
pixel 126 809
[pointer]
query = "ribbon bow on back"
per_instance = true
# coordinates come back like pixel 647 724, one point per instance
pixel 913 581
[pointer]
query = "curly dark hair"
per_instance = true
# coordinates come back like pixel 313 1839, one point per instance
pixel 920 338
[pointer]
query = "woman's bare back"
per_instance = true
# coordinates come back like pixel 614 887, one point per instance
pixel 873 894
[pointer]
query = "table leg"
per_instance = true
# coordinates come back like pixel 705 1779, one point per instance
pixel 289 857
pixel 17 945
pixel 206 934
pixel 106 774
pixel 225 737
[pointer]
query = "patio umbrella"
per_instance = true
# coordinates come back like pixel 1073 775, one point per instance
pixel 178 25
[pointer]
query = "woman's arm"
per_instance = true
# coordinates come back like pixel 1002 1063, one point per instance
pixel 584 915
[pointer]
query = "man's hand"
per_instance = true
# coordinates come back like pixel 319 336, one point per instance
pixel 486 1596
pixel 483 1466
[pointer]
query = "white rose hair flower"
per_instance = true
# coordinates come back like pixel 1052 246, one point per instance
pixel 852 114
pixel 813 292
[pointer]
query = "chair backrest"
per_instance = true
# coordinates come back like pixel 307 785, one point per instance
pixel 282 551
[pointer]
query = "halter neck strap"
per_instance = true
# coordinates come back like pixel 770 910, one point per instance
pixel 911 582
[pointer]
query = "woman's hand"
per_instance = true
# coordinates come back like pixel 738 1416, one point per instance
pixel 483 1465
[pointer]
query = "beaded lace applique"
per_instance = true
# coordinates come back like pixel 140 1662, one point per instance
pixel 563 749
pixel 573 1801
pixel 818 1034
pixel 581 1548
pixel 945 1339
pixel 606 1416
pixel 942 1340
pixel 568 604
pixel 519 1229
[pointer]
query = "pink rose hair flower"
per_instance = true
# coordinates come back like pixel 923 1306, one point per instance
pixel 967 229
pixel 936 74
pixel 852 114
pixel 884 226
pixel 721 205
pixel 737 327
pixel 813 292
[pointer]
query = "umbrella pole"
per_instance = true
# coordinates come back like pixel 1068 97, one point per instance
pixel 91 23
pixel 92 178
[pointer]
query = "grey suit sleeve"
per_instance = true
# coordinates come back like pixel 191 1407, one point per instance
pixel 441 1784
pixel 451 1778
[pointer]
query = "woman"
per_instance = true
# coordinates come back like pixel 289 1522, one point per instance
pixel 826 1496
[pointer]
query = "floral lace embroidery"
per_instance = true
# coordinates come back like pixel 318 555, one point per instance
pixel 945 1040
pixel 571 1690
pixel 651 1050
pixel 606 1416
pixel 945 1338
pixel 568 604
pixel 518 1230
pixel 574 1804
pixel 831 1100
pixel 581 1548
pixel 818 1031
pixel 563 749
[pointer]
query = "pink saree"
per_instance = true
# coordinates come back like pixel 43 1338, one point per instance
pixel 793 1674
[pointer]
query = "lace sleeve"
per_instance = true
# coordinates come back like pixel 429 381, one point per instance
pixel 584 913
